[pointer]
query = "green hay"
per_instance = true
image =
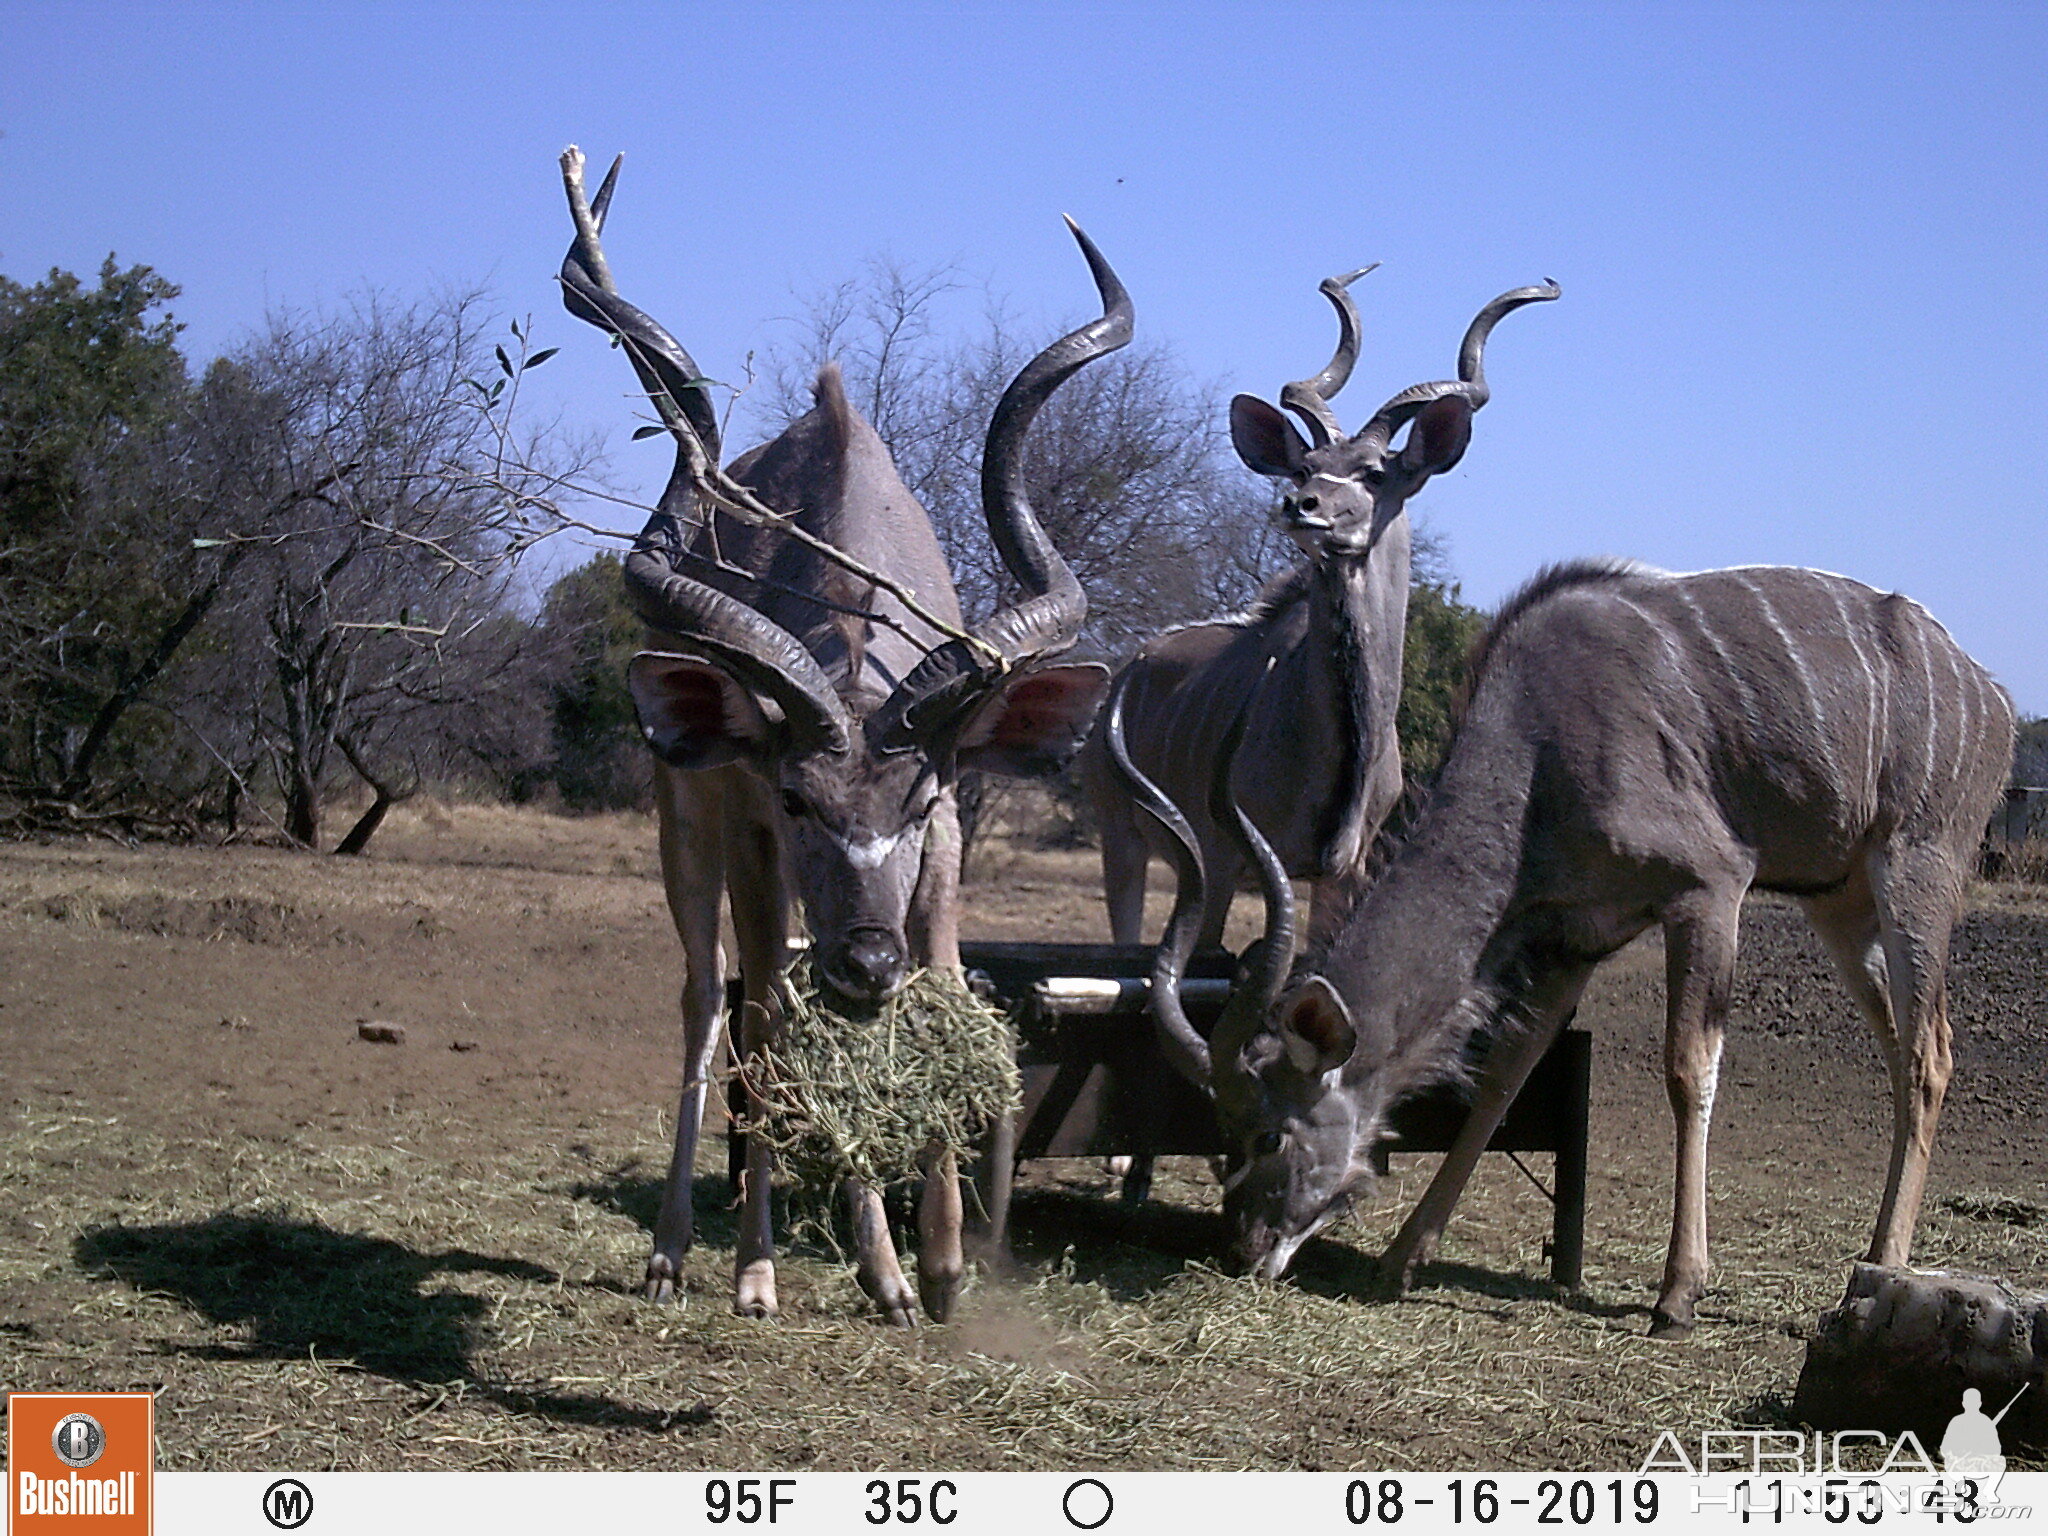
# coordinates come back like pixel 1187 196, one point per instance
pixel 868 1094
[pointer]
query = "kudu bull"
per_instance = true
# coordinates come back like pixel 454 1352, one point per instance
pixel 810 719
pixel 1639 748
pixel 1321 766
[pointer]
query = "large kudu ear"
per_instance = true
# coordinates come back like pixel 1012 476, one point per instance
pixel 1315 1028
pixel 693 713
pixel 1439 438
pixel 1264 439
pixel 1035 722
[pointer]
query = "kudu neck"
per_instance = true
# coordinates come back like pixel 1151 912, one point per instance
pixel 1351 660
pixel 1417 963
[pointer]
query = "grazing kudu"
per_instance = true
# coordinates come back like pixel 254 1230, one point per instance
pixel 1639 748
pixel 811 696
pixel 1321 765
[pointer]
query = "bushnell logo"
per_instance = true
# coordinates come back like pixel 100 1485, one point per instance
pixel 78 1440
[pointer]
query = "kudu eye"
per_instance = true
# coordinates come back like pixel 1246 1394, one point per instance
pixel 1307 503
pixel 793 805
pixel 1266 1143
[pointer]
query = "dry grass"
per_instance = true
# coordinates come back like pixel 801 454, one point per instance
pixel 310 1304
pixel 432 1285
pixel 2026 861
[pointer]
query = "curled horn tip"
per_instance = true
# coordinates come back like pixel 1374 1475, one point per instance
pixel 1331 285
pixel 1116 302
pixel 601 204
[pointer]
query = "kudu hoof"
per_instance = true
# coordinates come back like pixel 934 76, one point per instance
pixel 661 1285
pixel 1665 1326
pixel 754 1294
pixel 939 1298
pixel 894 1304
pixel 1394 1278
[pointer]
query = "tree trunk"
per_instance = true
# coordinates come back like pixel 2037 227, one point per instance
pixel 386 796
pixel 366 826
pixel 78 776
pixel 302 807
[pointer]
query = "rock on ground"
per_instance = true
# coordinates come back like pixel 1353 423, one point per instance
pixel 1902 1346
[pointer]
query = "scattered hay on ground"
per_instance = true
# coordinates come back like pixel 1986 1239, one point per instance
pixel 322 1255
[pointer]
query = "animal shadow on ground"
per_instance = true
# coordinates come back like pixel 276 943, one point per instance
pixel 298 1287
pixel 1505 1287
pixel 625 1191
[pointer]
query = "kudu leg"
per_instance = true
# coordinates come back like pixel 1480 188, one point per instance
pixel 875 1265
pixel 1917 904
pixel 934 920
pixel 1508 1065
pixel 994 1182
pixel 1124 860
pixel 1894 967
pixel 935 936
pixel 753 1265
pixel 761 928
pixel 692 863
pixel 1699 974
pixel 940 1263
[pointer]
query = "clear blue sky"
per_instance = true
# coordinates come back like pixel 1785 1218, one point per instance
pixel 1804 248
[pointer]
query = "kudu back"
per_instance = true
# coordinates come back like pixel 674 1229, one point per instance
pixel 810 721
pixel 1639 748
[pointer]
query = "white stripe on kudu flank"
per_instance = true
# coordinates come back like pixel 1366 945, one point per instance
pixel 1966 725
pixel 1729 670
pixel 1929 718
pixel 1662 630
pixel 1793 653
pixel 1853 629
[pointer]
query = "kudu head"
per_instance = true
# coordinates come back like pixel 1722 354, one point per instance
pixel 1298 1142
pixel 855 771
pixel 1346 491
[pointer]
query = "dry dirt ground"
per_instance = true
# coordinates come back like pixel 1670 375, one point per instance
pixel 324 1252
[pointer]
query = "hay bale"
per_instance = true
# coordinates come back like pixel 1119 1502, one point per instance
pixel 864 1092
pixel 1899 1350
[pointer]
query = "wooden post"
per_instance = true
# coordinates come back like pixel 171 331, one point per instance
pixel 1568 1215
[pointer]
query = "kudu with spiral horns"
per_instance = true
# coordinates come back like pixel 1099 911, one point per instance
pixel 811 695
pixel 1321 766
